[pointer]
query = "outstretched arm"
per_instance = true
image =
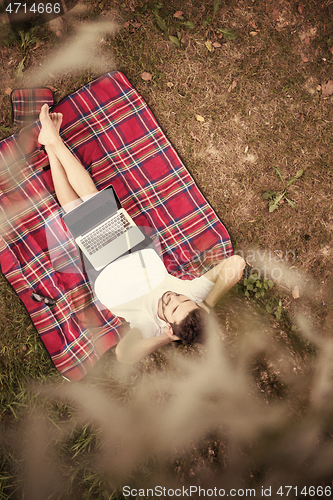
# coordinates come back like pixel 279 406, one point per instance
pixel 133 347
pixel 225 275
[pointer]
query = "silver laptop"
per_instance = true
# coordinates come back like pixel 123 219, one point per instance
pixel 102 229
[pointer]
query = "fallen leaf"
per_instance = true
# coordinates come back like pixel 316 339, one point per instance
pixel 301 8
pixel 200 118
pixel 170 85
pixel 8 91
pixel 126 24
pixel 56 24
pixel 51 88
pixel 58 33
pixel 179 13
pixel 318 88
pixel 251 23
pixel 253 33
pixel 331 49
pixel 146 76
pixel 194 136
pixel 276 15
pixel 136 25
pixel 38 44
pixel 295 292
pixel 327 88
pixel 308 34
pixel 305 59
pixel 208 45
pixel 217 45
pixel 232 86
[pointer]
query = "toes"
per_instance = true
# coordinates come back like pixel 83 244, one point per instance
pixel 58 120
pixel 44 111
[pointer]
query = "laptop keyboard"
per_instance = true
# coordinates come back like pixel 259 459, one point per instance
pixel 105 233
pixel 92 218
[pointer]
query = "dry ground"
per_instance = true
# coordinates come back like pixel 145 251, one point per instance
pixel 263 106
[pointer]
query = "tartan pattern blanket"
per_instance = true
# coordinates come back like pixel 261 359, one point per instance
pixel 27 103
pixel 109 128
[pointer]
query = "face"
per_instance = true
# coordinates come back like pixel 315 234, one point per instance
pixel 173 307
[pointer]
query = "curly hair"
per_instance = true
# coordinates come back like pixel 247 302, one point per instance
pixel 193 328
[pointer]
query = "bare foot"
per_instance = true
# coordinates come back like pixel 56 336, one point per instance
pixel 51 123
pixel 56 119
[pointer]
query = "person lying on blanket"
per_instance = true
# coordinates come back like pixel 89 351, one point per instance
pixel 176 309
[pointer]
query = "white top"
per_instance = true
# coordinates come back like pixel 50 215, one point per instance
pixel 130 287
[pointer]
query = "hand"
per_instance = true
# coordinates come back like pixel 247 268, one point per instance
pixel 168 332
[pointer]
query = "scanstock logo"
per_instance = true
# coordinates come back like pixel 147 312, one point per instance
pixel 31 13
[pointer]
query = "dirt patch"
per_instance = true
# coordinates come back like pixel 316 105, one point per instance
pixel 259 92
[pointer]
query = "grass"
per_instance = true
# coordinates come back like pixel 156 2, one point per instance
pixel 275 116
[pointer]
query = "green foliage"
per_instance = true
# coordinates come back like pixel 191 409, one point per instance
pixel 26 39
pixel 82 441
pixel 228 33
pixel 206 21
pixel 257 289
pixel 274 197
pixel 9 40
pixel 158 18
pixel 175 40
pixel 169 24
pixel 20 68
pixel 217 5
pixel 189 24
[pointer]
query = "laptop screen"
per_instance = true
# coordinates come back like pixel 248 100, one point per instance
pixel 92 212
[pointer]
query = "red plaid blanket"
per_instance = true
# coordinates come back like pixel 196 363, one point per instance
pixel 110 129
pixel 27 103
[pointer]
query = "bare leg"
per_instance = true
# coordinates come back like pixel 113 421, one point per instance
pixel 66 195
pixel 77 176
